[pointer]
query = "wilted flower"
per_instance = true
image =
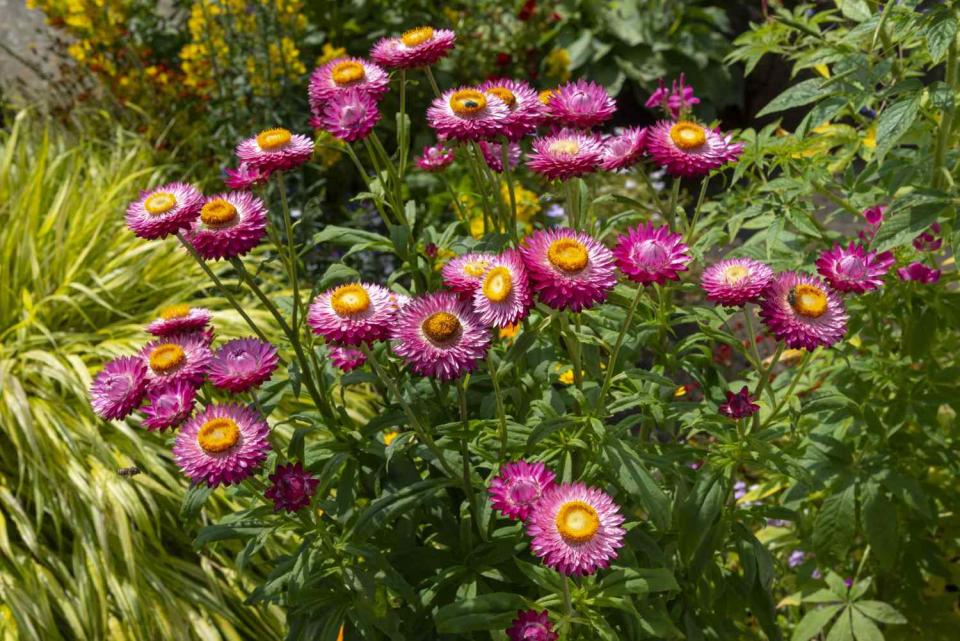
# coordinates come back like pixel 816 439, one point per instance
pixel 739 405
pixel 292 489
pixel 920 273
pixel 531 626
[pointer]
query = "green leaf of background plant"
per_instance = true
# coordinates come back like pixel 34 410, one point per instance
pixel 634 477
pixel 485 612
pixel 894 121
pixel 802 93
pixel 834 527
pixel 814 621
pixel 879 517
pixel 882 612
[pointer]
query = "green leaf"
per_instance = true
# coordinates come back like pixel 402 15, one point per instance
pixel 909 216
pixel 349 236
pixel 880 611
pixel 813 622
pixel 842 630
pixel 802 93
pixel 939 33
pixel 634 478
pixel 879 517
pixel 623 581
pixel 863 628
pixel 193 501
pixel 699 511
pixel 485 612
pixel 857 10
pixel 834 528
pixel 391 506
pixel 894 121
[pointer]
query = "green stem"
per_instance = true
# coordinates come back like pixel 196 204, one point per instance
pixel 366 179
pixel 611 364
pixel 433 81
pixel 508 174
pixel 402 125
pixel 462 215
pixel 501 413
pixel 692 228
pixel 394 177
pixel 672 206
pixel 573 349
pixel 764 378
pixel 946 123
pixel 567 601
pixel 291 249
pixel 465 450
pixel 793 384
pixel 573 205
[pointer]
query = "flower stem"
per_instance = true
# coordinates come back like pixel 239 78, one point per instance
pixel 611 364
pixel 573 205
pixel 764 379
pixel 465 449
pixel 501 413
pixel 402 123
pixel 366 179
pixel 672 206
pixel 567 601
pixel 291 249
pixel 433 81
pixel 691 229
pixel 793 384
pixel 508 174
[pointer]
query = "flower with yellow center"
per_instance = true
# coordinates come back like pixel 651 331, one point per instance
pixel 546 95
pixel 498 284
pixel 505 95
pixel 475 268
pixel 568 255
pixel 467 102
pixel 347 72
pixel 416 37
pixel 218 213
pixel 218 435
pixel 441 326
pixel 808 300
pixel 159 203
pixel 166 357
pixel 735 273
pixel 350 299
pixel 688 135
pixel 273 139
pixel 565 146
pixel 577 522
pixel 180 310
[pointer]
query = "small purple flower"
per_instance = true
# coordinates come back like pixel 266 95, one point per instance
pixel 816 574
pixel 920 273
pixel 739 490
pixel 555 211
pixel 796 559
pixel 927 241
pixel 292 489
pixel 678 101
pixel 874 215
pixel 848 582
pixel 531 626
pixel 435 158
pixel 739 405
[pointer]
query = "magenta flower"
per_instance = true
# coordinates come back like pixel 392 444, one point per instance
pixel 927 241
pixel 346 358
pixel 435 158
pixel 582 104
pixel 337 76
pixel 735 281
pixel 242 364
pixel 440 336
pixel 465 273
pixel 648 254
pixel 503 297
pixel 874 215
pixel 530 626
pixel 418 47
pixel 677 101
pixel 350 115
pixel 803 311
pixel 275 150
pixel 623 150
pixel 169 406
pixel 353 314
pixel 178 319
pixel 739 405
pixel 565 154
pixel 222 445
pixel 920 273
pixel 467 114
pixel 183 357
pixel 853 269
pixel 245 177
pixel 118 388
pixel 230 225
pixel 518 487
pixel 575 529
pixel 163 211
pixel 687 149
pixel 492 154
pixel 524 109
pixel 568 269
pixel 292 489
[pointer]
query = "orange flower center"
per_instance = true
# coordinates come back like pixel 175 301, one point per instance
pixel 273 139
pixel 347 72
pixel 218 435
pixel 504 94
pixel 160 203
pixel 180 310
pixel 218 212
pixel 167 357
pixel 467 101
pixel 567 254
pixel 441 326
pixel 577 522
pixel 475 268
pixel 688 135
pixel 566 146
pixel 808 300
pixel 417 36
pixel 546 95
pixel 498 284
pixel 350 299
pixel 735 273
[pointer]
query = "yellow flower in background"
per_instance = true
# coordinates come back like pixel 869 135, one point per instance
pixel 510 331
pixel 390 437
pixel 443 257
pixel 558 64
pixel 476 227
pixel 322 149
pixel 528 204
pixel 870 138
pixel 329 52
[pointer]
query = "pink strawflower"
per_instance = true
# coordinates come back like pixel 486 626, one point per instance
pixel 530 626
pixel 677 101
pixel 566 154
pixel 467 114
pixel 734 282
pixel 623 150
pixel 525 112
pixel 230 225
pixel 492 154
pixel 739 405
pixel 293 487
pixel 465 273
pixel 648 254
pixel 350 115
pixel 163 211
pixel 440 336
pixel 337 76
pixel 575 529
pixel 242 364
pixel 874 215
pixel 245 177
pixel 518 487
pixel 118 388
pixel 435 158
pixel 169 406
pixel 177 319
pixel 222 445
pixel 687 149
pixel 803 311
pixel 568 269
pixel 346 358
pixel 927 241
pixel 275 150
pixel 920 273
pixel 353 314
pixel 503 296
pixel 418 47
pixel 854 269
pixel 582 104
pixel 182 357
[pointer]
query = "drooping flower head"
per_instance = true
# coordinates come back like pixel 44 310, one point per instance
pixel 739 405
pixel 350 115
pixel 920 273
pixel 566 154
pixel 242 364
pixel 575 529
pixel 531 626
pixel 440 336
pixel 169 406
pixel 435 158
pixel 503 297
pixel 163 211
pixel 467 114
pixel 353 314
pixel 928 241
pixel 293 487
pixel 177 319
pixel 854 269
pixel 245 177
pixel 568 269
pixel 524 109
pixel 341 74
pixel 648 254
pixel 346 358
pixel 230 225
pixel 222 445
pixel 417 47
pixel 687 149
pixel 275 150
pixel 623 150
pixel 118 388
pixel 182 357
pixel 518 487
pixel 803 311
pixel 582 104
pixel 735 281
pixel 493 154
pixel 677 101
pixel 465 273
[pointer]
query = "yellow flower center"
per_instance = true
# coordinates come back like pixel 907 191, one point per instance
pixel 218 435
pixel 441 326
pixel 546 95
pixel 467 102
pixel 347 72
pixel 504 94
pixel 180 310
pixel 688 135
pixel 567 254
pixel 417 36
pixel 808 300
pixel 564 146
pixel 577 522
pixel 735 273
pixel 218 212
pixel 498 284
pixel 160 203
pixel 475 268
pixel 350 299
pixel 166 357
pixel 273 139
